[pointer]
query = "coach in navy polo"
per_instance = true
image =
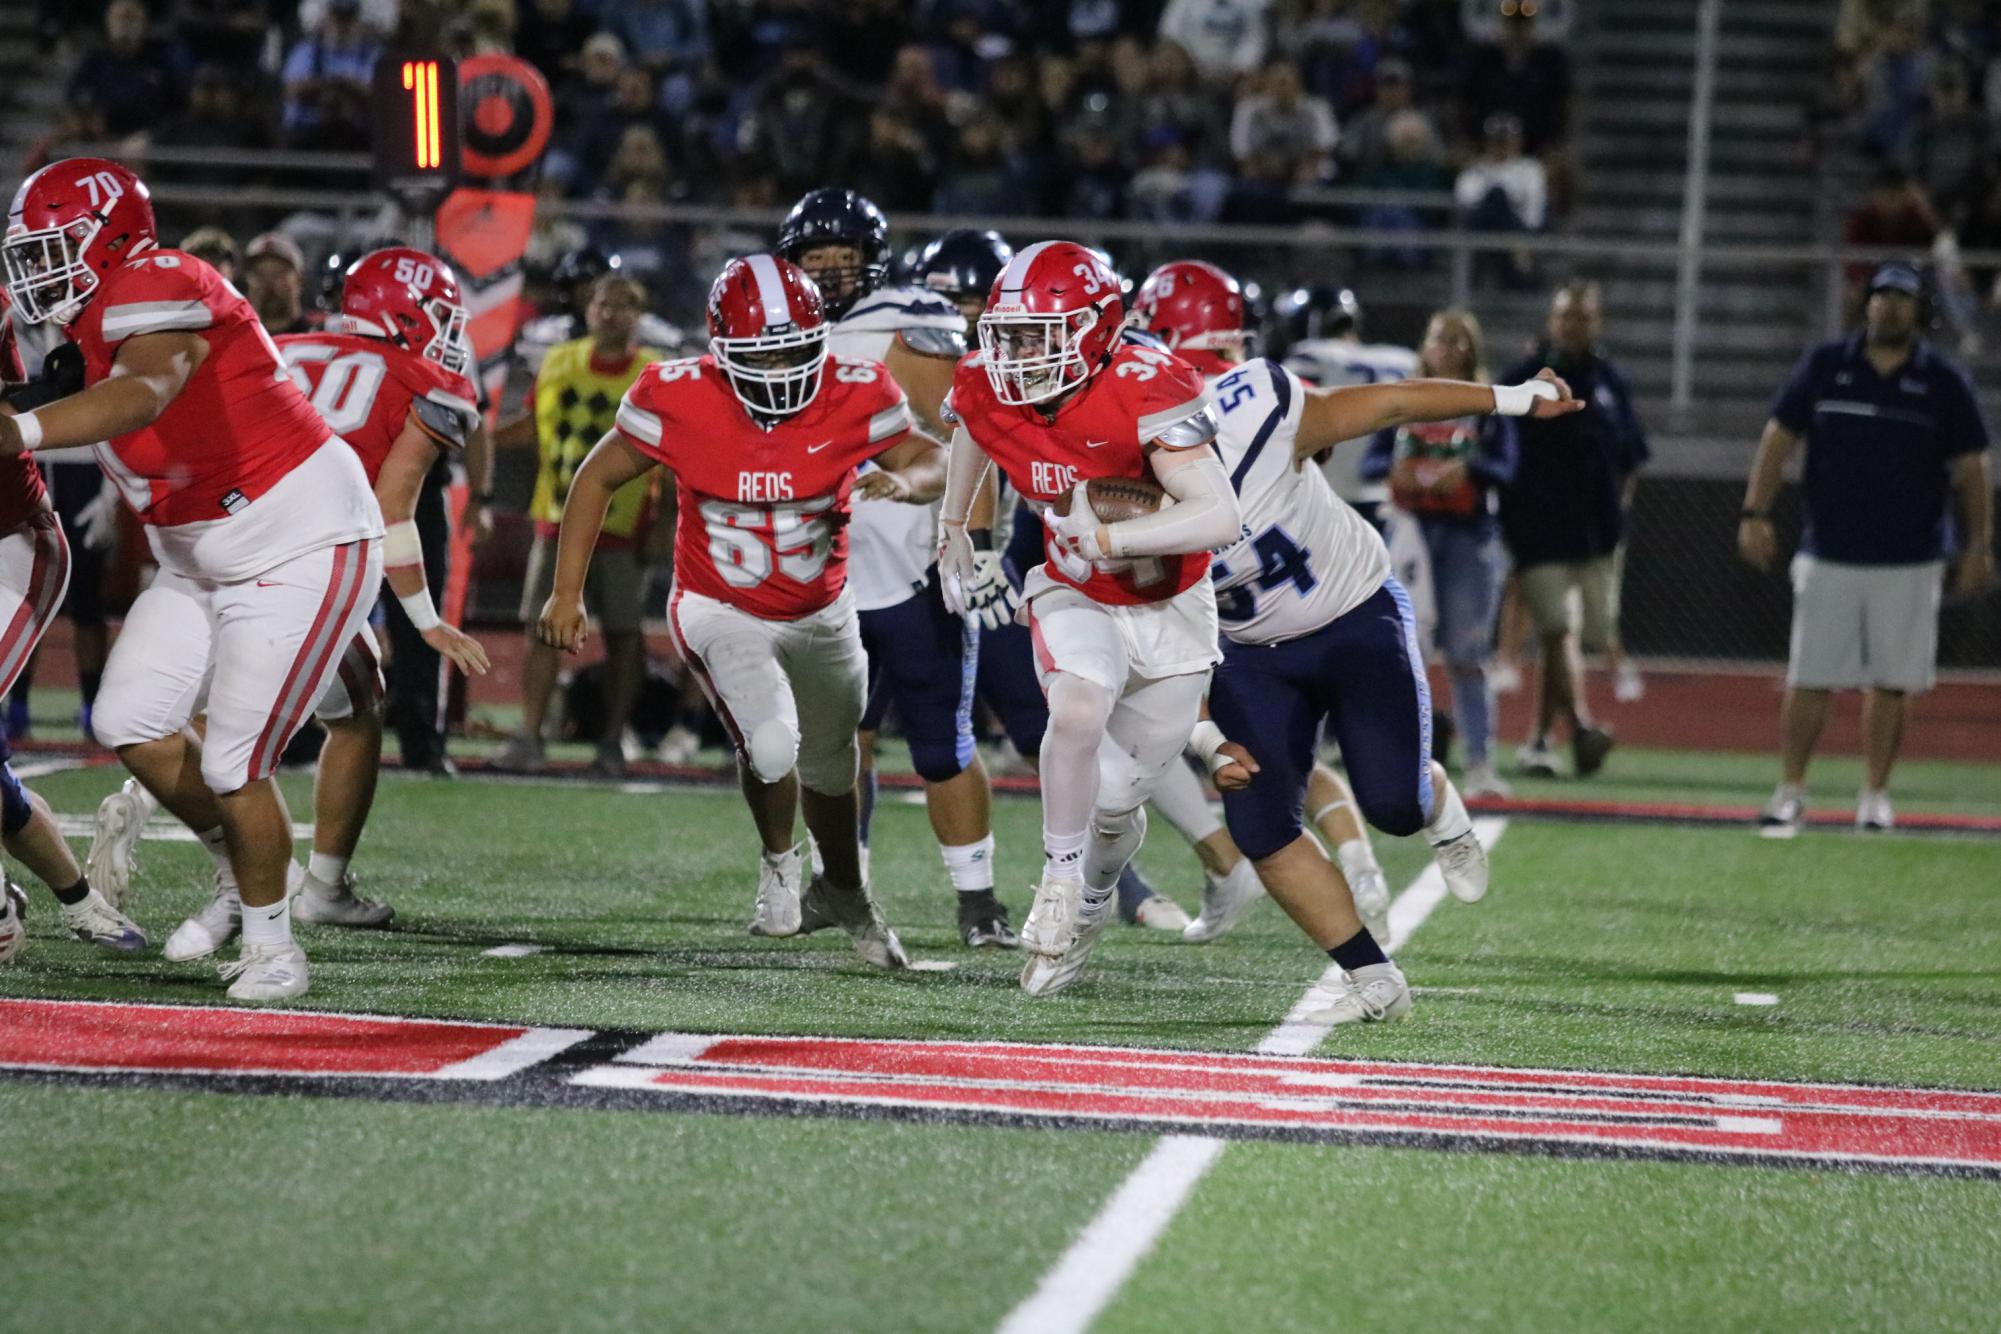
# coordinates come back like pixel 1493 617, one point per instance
pixel 1892 429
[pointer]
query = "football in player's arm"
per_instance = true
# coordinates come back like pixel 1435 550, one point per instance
pixel 913 469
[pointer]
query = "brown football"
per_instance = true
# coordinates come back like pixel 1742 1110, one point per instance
pixel 1116 499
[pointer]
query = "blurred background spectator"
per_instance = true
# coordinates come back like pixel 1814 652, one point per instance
pixel 132 77
pixel 326 79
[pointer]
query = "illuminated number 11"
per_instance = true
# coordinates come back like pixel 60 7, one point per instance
pixel 421 78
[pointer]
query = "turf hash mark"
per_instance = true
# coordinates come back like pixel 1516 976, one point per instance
pixel 1053 1086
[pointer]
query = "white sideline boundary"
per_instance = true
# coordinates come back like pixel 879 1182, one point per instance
pixel 1104 1255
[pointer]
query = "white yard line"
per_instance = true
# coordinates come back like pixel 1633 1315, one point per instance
pixel 1755 998
pixel 161 829
pixel 1112 1245
pixel 43 768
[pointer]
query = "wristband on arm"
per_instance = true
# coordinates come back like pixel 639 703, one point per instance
pixel 1207 741
pixel 1518 400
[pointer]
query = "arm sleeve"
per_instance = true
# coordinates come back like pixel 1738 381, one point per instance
pixel 1204 516
pixel 1793 408
pixel 1498 452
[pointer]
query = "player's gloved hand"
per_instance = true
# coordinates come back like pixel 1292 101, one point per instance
pixel 990 600
pixel 955 564
pixel 563 623
pixel 1073 543
pixel 881 484
pixel 458 648
pixel 99 519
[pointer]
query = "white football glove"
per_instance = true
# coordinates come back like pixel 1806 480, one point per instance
pixel 99 518
pixel 1074 537
pixel 955 565
pixel 990 600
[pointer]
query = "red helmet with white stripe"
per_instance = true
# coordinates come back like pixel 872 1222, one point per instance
pixel 71 223
pixel 1196 309
pixel 768 331
pixel 412 300
pixel 1051 322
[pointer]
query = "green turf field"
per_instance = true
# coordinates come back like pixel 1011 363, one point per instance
pixel 1602 947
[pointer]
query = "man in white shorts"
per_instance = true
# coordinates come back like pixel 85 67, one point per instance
pixel 268 537
pixel 1892 429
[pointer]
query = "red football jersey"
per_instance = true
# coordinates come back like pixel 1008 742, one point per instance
pixel 1101 430
pixel 238 426
pixel 365 390
pixel 21 491
pixel 763 513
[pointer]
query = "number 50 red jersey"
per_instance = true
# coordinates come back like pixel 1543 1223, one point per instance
pixel 365 389
pixel 762 511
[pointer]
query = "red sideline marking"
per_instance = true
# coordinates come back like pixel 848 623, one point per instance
pixel 88 1035
pixel 1835 1123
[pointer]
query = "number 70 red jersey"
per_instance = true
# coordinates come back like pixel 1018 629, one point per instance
pixel 762 511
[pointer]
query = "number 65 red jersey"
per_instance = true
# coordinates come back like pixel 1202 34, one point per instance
pixel 762 511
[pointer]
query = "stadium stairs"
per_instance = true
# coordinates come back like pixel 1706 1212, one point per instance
pixel 30 82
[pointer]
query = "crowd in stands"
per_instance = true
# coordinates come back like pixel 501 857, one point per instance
pixel 1186 110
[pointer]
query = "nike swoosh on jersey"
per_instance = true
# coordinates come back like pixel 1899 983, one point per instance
pixel 1096 444
pixel 814 449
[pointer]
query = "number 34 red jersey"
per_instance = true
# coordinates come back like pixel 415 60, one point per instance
pixel 366 389
pixel 762 520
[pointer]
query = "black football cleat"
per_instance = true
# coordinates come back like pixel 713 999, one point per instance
pixel 983 923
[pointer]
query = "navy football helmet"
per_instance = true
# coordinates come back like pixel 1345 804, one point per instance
pixel 836 217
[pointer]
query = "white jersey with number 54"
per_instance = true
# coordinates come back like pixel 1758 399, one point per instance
pixel 1305 557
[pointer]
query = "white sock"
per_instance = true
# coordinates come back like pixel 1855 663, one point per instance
pixel 780 858
pixel 326 869
pixel 268 925
pixel 1448 816
pixel 1062 855
pixel 1356 858
pixel 1179 796
pixel 218 848
pixel 970 865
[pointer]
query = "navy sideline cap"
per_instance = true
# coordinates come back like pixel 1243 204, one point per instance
pixel 1898 276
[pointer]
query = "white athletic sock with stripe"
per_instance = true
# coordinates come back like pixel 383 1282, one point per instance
pixel 328 870
pixel 268 925
pixel 970 865
pixel 1448 816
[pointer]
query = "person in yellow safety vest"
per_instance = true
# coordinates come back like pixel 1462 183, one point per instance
pixel 573 402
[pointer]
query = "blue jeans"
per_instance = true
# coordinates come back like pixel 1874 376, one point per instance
pixel 1467 571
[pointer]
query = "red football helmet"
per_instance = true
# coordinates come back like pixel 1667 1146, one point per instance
pixel 768 331
pixel 1196 309
pixel 71 223
pixel 1051 322
pixel 410 298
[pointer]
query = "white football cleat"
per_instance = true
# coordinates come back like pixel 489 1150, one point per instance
pixel 218 923
pixel 857 915
pixel 680 746
pixel 13 926
pixel 267 973
pixel 113 858
pixel 777 910
pixel 96 921
pixel 1873 813
pixel 1225 899
pixel 321 904
pixel 1373 995
pixel 1044 975
pixel 1786 812
pixel 1157 912
pixel 1464 864
pixel 1371 891
pixel 1482 781
pixel 1052 925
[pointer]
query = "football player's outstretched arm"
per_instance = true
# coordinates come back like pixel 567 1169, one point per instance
pixel 396 487
pixel 1330 416
pixel 610 465
pixel 924 379
pixel 912 470
pixel 148 374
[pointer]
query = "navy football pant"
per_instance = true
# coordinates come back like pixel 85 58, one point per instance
pixel 1362 677
pixel 923 659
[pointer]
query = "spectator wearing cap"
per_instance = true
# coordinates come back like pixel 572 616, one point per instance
pixel 135 79
pixel 1563 516
pixel 1892 431
pixel 1504 190
pixel 326 79
pixel 274 283
pixel 215 247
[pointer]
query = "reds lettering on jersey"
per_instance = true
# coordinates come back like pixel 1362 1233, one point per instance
pixel 237 427
pixel 1101 430
pixel 365 389
pixel 22 493
pixel 762 516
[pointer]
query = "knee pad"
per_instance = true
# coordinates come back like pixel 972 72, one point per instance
pixel 772 749
pixel 15 808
